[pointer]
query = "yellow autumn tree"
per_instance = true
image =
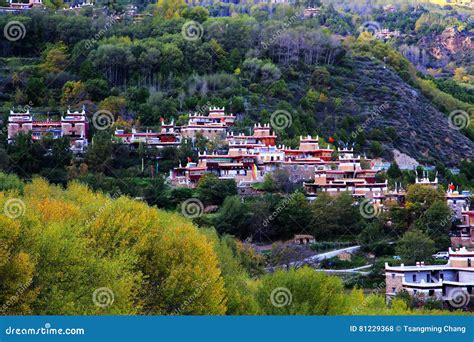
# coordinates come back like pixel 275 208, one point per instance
pixel 99 254
pixel 56 58
pixel 170 8
pixel 17 290
pixel 73 92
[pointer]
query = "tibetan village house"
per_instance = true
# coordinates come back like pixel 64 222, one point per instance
pixel 240 163
pixel 442 282
pixel 347 174
pixel 74 125
pixel 462 234
pixel 210 126
pixel 302 161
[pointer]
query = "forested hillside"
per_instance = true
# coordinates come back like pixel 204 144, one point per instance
pixel 331 78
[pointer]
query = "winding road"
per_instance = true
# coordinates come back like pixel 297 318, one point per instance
pixel 319 257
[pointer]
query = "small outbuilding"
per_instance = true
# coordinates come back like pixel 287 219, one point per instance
pixel 302 239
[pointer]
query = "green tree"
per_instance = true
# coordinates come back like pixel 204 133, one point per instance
pixel 373 239
pixel 96 88
pixel 394 171
pixel 198 13
pixel 234 218
pixel 36 90
pixel 239 293
pixel 55 58
pixel 99 152
pixel 301 292
pixel 320 77
pixel 212 190
pixel 54 4
pixel 415 246
pixel 376 149
pixel 293 216
pixel 436 221
pixel 419 198
pixel 9 182
pixel 335 216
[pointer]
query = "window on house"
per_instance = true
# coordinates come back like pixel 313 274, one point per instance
pixel 414 278
pixel 428 278
pixel 431 293
pixel 469 262
pixel 393 275
pixel 441 276
pixel 394 290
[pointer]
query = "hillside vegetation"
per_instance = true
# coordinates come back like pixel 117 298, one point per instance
pixel 62 247
pixel 253 64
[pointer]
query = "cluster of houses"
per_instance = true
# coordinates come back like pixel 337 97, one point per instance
pixel 385 34
pixel 215 124
pixel 250 157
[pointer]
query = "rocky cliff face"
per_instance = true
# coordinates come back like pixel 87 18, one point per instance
pixel 449 43
pixel 380 99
